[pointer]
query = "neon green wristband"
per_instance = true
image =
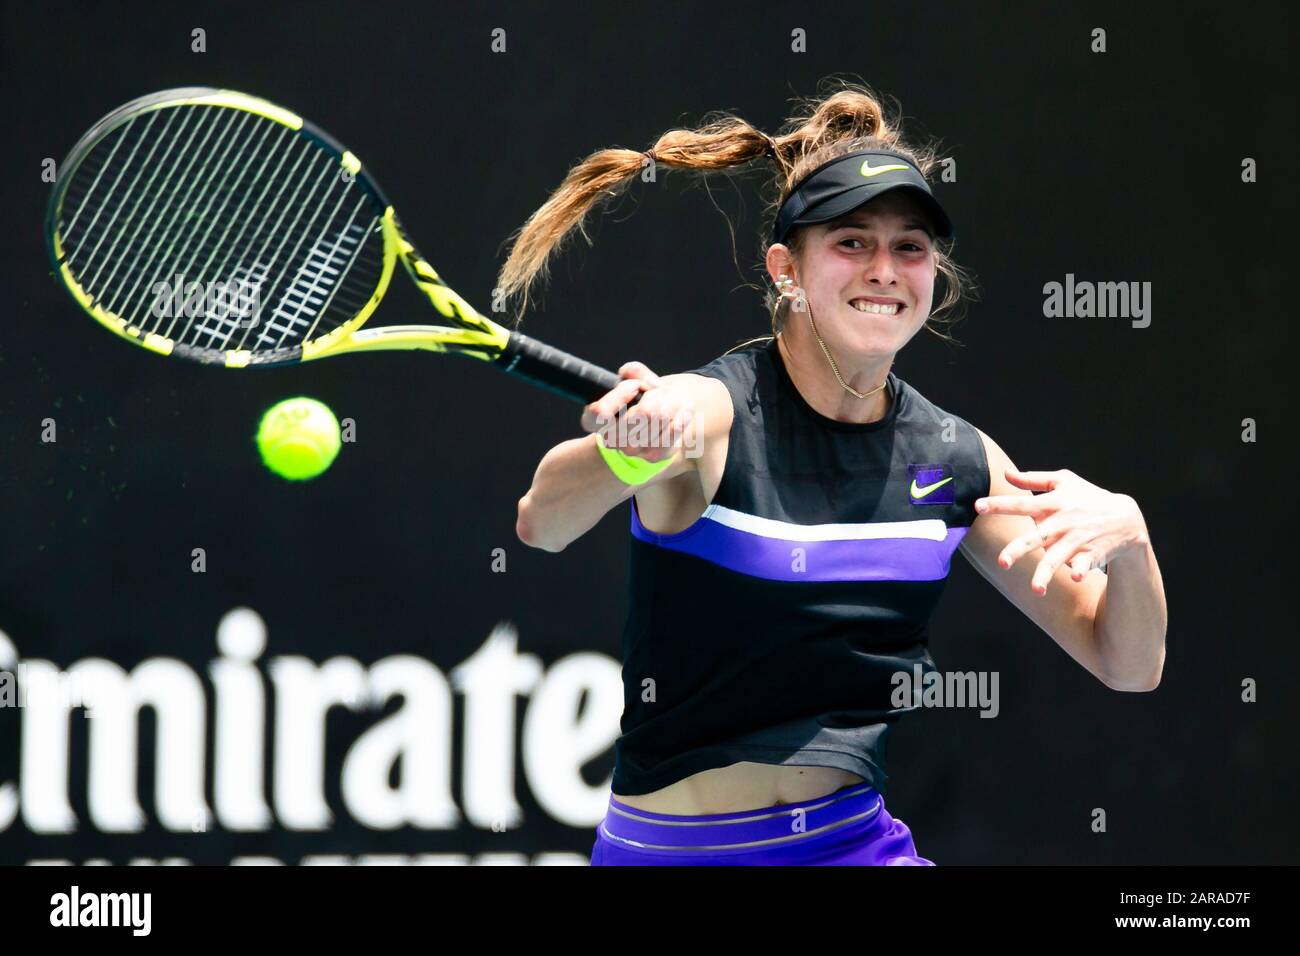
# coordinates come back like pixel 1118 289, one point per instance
pixel 627 469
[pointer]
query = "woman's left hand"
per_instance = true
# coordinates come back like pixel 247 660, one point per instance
pixel 1078 523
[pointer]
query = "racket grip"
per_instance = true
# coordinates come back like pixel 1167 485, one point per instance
pixel 557 371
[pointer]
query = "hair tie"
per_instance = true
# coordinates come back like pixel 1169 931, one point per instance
pixel 650 154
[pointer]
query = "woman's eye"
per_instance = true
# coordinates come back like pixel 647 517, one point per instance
pixel 910 246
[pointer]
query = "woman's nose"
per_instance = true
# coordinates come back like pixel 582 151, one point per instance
pixel 880 267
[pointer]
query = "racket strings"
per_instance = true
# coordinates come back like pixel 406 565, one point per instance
pixel 190 197
pixel 116 289
pixel 126 243
pixel 186 224
pixel 298 285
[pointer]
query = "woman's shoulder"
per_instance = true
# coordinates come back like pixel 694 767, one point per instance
pixel 746 371
pixel 741 361
pixel 706 398
pixel 919 411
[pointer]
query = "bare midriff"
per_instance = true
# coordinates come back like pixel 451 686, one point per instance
pixel 742 786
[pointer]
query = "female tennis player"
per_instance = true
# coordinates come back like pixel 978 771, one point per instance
pixel 795 508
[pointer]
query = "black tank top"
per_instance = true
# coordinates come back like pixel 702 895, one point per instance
pixel 769 630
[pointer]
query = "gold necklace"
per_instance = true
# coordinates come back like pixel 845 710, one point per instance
pixel 835 368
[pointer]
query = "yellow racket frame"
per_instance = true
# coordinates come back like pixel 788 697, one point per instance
pixel 474 334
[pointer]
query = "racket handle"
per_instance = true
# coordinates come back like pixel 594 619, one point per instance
pixel 557 371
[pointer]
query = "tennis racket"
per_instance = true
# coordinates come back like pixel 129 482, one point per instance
pixel 217 227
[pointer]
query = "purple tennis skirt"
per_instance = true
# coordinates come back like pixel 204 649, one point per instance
pixel 849 827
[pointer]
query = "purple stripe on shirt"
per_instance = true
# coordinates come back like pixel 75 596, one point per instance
pixel 779 559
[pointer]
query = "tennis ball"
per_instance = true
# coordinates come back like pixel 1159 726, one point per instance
pixel 298 438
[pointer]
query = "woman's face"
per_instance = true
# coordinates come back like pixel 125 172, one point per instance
pixel 879 257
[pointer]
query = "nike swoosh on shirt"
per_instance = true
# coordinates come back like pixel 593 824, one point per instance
pixel 868 171
pixel 922 492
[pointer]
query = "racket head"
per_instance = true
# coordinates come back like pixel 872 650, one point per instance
pixel 218 227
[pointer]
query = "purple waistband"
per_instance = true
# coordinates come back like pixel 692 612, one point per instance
pixel 789 823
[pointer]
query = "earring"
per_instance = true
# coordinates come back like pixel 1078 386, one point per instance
pixel 788 290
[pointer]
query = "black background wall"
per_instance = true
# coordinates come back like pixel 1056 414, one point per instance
pixel 1122 166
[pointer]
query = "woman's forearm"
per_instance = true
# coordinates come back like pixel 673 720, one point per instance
pixel 573 488
pixel 1131 620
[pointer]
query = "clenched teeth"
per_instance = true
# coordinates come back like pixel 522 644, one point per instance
pixel 875 308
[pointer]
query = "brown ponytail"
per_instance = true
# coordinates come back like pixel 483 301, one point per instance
pixel 844 117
